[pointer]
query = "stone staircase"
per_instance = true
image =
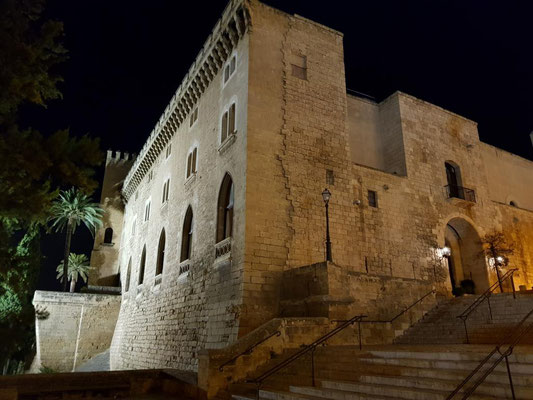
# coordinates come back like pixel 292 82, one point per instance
pixel 427 362
pixel 441 324
pixel 398 372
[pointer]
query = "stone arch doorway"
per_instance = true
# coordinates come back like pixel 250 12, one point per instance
pixel 465 260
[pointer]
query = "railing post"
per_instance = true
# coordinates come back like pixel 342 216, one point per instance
pixel 490 308
pixel 466 331
pixel 510 377
pixel 360 334
pixel 512 285
pixel 313 366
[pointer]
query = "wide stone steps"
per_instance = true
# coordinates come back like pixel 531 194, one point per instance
pixel 407 372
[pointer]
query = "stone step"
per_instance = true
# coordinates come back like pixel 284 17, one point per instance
pixel 353 391
pixel 295 395
pixel 442 364
pixel 500 389
pixel 398 392
pixel 463 355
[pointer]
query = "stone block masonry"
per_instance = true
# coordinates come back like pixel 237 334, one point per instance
pixel 72 327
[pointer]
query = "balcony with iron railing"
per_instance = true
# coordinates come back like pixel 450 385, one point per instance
pixel 460 192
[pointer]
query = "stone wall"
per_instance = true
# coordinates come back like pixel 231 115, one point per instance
pixel 72 327
pixel 164 321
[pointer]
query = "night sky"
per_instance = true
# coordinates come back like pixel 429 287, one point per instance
pixel 127 58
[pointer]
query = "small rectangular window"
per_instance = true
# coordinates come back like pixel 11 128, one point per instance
pixel 224 127
pixel 330 177
pixel 133 226
pixel 231 127
pixel 166 186
pixel 189 165
pixel 193 162
pixel 229 69
pixel 194 117
pixel 169 149
pixel 147 212
pixel 372 198
pixel 298 66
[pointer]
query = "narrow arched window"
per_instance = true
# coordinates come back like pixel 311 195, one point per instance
pixel 141 266
pixel 186 236
pixel 128 273
pixel 225 209
pixel 108 236
pixel 160 254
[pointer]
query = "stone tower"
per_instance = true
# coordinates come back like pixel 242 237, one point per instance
pixel 104 257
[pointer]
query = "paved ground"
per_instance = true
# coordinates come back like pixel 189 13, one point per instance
pixel 99 362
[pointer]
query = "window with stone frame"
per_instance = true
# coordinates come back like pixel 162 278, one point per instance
pixel 161 253
pixel 169 150
pixel 194 117
pixel 108 236
pixel 133 226
pixel 230 67
pixel 147 211
pixel 298 66
pixel 225 209
pixel 128 277
pixel 228 124
pixel 142 266
pixel 373 198
pixel 192 162
pixel 186 236
pixel 166 187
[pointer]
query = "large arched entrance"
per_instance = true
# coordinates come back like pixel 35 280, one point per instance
pixel 465 261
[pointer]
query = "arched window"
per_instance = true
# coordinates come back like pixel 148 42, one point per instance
pixel 225 209
pixel 108 236
pixel 141 266
pixel 128 273
pixel 186 236
pixel 160 253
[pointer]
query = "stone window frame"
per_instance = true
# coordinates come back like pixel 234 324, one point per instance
pixel 142 267
pixel 147 210
pixel 225 123
pixel 225 209
pixel 229 69
pixel 161 253
pixel 188 222
pixel 191 166
pixel 168 151
pixel 193 117
pixel 166 191
pixel 372 197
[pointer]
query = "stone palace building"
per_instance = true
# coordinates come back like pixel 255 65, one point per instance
pixel 218 226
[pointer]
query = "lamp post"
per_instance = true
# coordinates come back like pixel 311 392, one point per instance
pixel 326 195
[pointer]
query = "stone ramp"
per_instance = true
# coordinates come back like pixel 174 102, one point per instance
pixel 99 362
pixel 403 372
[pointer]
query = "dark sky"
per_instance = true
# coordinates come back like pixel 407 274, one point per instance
pixel 127 58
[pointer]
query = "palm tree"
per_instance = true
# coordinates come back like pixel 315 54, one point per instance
pixel 78 267
pixel 69 210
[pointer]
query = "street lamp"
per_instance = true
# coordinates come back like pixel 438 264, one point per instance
pixel 326 195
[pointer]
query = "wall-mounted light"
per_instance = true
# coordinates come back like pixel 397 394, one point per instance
pixel 444 252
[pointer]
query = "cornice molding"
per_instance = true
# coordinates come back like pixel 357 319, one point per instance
pixel 229 29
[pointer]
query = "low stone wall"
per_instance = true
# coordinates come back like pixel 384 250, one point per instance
pixel 72 327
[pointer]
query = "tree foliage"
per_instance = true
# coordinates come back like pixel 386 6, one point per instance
pixel 33 167
pixel 78 267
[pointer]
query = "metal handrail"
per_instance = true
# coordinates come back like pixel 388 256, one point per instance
pixel 305 350
pixel 311 348
pixel 249 350
pixel 518 332
pixel 486 296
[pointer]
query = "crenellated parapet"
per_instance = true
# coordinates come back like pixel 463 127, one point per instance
pixel 114 157
pixel 229 29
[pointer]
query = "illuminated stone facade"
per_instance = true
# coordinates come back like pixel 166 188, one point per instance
pixel 296 132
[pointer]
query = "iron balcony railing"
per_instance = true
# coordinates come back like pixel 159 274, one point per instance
pixel 460 192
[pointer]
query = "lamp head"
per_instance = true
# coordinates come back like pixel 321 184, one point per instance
pixel 326 195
